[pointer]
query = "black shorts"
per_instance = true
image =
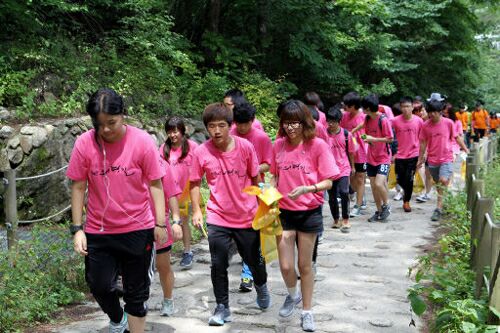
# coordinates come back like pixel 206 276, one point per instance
pixel 374 170
pixel 309 221
pixel 360 167
pixel 163 250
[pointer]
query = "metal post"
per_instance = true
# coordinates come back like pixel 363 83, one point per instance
pixel 11 208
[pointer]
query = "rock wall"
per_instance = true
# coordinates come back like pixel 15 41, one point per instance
pixel 40 148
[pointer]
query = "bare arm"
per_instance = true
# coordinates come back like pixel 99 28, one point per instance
pixel 194 191
pixel 77 201
pixel 156 189
pixel 423 146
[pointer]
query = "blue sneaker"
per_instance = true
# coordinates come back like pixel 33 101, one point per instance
pixel 187 260
pixel 221 315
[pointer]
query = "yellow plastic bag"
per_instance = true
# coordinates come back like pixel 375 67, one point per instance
pixel 392 180
pixel 418 183
pixel 267 220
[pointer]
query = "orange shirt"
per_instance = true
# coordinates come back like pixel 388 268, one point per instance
pixel 479 118
pixel 464 118
pixel 494 123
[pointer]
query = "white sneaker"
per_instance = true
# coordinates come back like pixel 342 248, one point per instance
pixel 398 196
pixel 423 198
pixel 119 327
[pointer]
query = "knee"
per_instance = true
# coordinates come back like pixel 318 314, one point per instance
pixel 100 286
pixel 287 268
pixel 305 268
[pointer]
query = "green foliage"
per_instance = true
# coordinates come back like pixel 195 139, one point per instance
pixel 452 298
pixel 181 55
pixel 38 277
pixel 492 186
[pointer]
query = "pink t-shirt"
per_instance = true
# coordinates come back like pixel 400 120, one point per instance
pixel 321 131
pixel 227 173
pixel 322 118
pixel 261 143
pixel 438 137
pixel 337 142
pixel 118 190
pixel 349 122
pixel 180 168
pixel 407 133
pixel 170 189
pixel 256 124
pixel 458 131
pixel 387 111
pixel 378 152
pixel 305 164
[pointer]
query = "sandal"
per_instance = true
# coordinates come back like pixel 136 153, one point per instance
pixel 345 228
pixel 336 225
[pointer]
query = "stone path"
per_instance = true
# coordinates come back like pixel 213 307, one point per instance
pixel 360 286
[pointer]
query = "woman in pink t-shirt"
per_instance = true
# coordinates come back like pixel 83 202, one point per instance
pixel 121 167
pixel 178 152
pixel 302 169
pixel 167 278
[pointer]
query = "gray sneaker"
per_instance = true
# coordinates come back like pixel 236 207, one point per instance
pixel 307 320
pixel 386 211
pixel 120 327
pixel 355 211
pixel 374 217
pixel 187 260
pixel 221 315
pixel 263 296
pixel 436 216
pixel 167 308
pixel 287 309
pixel 363 205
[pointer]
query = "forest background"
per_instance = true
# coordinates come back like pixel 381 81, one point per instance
pixel 176 56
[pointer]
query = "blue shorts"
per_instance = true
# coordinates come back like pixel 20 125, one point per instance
pixel 374 170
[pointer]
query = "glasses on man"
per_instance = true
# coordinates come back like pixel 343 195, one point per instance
pixel 292 124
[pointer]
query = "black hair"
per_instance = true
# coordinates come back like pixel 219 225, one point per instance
pixel 237 96
pixel 370 102
pixel 396 109
pixel 335 113
pixel 312 98
pixel 104 100
pixel 216 112
pixel 418 99
pixel 452 115
pixel 171 124
pixel 294 110
pixel 406 99
pixel 352 99
pixel 314 112
pixel 435 105
pixel 243 113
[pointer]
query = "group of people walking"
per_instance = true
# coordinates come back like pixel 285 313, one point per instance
pixel 138 195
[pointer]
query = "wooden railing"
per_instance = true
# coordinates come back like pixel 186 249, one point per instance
pixel 485 232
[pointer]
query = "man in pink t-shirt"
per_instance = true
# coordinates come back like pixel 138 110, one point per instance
pixel 352 117
pixel 312 99
pixel 234 97
pixel 244 116
pixel 407 131
pixel 230 164
pixel 343 148
pixel 378 137
pixel 435 137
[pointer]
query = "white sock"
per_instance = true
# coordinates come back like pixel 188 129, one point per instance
pixel 306 311
pixel 293 292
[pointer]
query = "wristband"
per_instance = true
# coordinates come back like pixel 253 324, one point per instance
pixel 161 225
pixel 178 222
pixel 315 188
pixel 73 229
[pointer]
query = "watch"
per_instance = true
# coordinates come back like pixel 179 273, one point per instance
pixel 75 228
pixel 178 222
